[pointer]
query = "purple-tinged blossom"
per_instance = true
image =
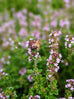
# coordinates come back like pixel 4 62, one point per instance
pixel 30 78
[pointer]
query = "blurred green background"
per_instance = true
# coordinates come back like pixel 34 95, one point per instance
pixel 30 5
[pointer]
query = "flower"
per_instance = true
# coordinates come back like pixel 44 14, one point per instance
pixel 70 98
pixel 46 28
pixel 53 23
pixel 23 32
pixel 66 64
pixel 25 44
pixel 70 84
pixel 58 60
pixel 30 78
pixel 66 1
pixel 37 96
pixel 69 45
pixel 30 97
pixel 71 88
pixel 50 76
pixel 64 22
pixel 22 71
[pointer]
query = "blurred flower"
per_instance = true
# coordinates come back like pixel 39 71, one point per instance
pixel 23 32
pixel 53 23
pixel 64 22
pixel 30 78
pixel 37 96
pixel 46 28
pixel 22 71
pixel 66 1
pixel 30 97
pixel 70 84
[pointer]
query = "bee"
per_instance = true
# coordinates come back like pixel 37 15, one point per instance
pixel 36 45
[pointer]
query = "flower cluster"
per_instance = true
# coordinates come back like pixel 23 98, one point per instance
pixel 54 58
pixel 2 96
pixel 35 97
pixel 70 84
pixel 64 23
pixel 30 78
pixel 69 40
pixel 68 98
pixel 5 59
pixel 22 71
pixel 67 3
pixel 62 98
pixel 2 73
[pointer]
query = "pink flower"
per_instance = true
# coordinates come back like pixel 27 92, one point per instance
pixel 29 59
pixel 64 23
pixel 19 14
pixel 71 88
pixel 39 1
pixel 36 24
pixel 62 61
pixel 67 39
pixel 5 44
pixel 66 1
pixel 23 32
pixel 47 63
pixel 50 57
pixel 30 97
pixel 24 11
pixel 60 55
pixel 29 51
pixel 25 44
pixel 36 34
pixel 53 23
pixel 65 44
pixel 56 69
pixel 68 80
pixel 37 54
pixel 69 45
pixel 58 60
pixel 37 96
pixel 70 98
pixel 51 52
pixel 22 71
pixel 30 78
pixel 52 40
pixel 46 28
pixel 66 36
pixel 30 14
pixel 66 64
pixel 61 23
pixel 68 85
pixel 23 23
pixel 55 64
pixel 50 76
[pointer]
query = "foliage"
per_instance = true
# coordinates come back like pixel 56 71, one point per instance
pixel 37 44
